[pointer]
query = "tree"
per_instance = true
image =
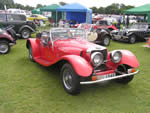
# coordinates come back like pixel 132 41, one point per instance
pixel 101 10
pixel 39 6
pixel 113 9
pixel 8 3
pixel 62 3
pixel 94 9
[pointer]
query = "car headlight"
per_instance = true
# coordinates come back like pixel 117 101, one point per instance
pixel 116 56
pixel 97 58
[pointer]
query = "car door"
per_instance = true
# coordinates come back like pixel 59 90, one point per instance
pixel 16 20
pixel 46 49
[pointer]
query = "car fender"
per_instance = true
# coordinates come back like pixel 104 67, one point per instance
pixel 6 37
pixel 112 27
pixel 26 26
pixel 35 46
pixel 79 64
pixel 130 33
pixel 128 58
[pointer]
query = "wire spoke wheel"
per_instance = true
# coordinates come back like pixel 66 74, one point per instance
pixel 4 47
pixel 67 79
pixel 31 54
pixel 70 80
pixel 25 33
pixel 106 41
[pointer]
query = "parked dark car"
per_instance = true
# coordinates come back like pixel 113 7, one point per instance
pixel 96 35
pixel 7 39
pixel 22 27
pixel 136 32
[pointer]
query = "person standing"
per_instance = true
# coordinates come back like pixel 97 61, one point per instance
pixel 127 21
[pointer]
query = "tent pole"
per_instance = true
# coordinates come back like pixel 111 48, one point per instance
pixel 86 17
pixel 56 18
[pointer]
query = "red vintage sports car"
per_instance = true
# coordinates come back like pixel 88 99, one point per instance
pixel 81 62
pixel 105 24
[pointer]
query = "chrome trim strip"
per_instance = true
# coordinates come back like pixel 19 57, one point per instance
pixel 111 78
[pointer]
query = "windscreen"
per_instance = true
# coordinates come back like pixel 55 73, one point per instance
pixel 59 34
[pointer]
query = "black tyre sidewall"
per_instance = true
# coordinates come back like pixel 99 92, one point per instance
pixel 30 52
pixel 125 80
pixel 76 80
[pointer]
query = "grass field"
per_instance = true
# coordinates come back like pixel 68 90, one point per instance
pixel 27 87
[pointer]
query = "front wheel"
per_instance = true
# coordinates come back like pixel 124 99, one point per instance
pixel 25 33
pixel 106 40
pixel 70 79
pixel 4 47
pixel 123 69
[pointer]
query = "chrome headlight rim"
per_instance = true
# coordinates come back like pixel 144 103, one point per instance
pixel 113 56
pixel 93 56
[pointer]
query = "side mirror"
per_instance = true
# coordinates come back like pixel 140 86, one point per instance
pixel 38 35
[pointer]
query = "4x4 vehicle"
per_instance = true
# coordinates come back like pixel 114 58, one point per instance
pixel 105 24
pixel 136 32
pixel 22 27
pixel 81 62
pixel 7 39
pixel 97 36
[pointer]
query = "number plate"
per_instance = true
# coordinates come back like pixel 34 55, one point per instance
pixel 105 76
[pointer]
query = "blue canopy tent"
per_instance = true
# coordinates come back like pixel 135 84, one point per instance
pixel 77 12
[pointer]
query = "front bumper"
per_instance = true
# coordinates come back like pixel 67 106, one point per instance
pixel 109 78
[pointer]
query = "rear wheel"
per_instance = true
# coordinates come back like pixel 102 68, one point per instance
pixel 31 54
pixel 123 69
pixel 4 47
pixel 106 40
pixel 25 33
pixel 70 79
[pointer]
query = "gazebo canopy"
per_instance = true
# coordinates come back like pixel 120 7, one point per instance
pixel 77 12
pixel 74 7
pixel 36 11
pixel 141 10
pixel 52 7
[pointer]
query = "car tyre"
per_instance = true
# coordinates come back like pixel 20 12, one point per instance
pixel 132 39
pixel 31 54
pixel 106 40
pixel 70 80
pixel 124 80
pixel 25 33
pixel 4 47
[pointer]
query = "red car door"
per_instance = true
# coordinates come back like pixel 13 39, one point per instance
pixel 47 52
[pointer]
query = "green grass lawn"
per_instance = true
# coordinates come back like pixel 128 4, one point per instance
pixel 27 87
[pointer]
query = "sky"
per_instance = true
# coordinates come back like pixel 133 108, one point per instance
pixel 87 3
